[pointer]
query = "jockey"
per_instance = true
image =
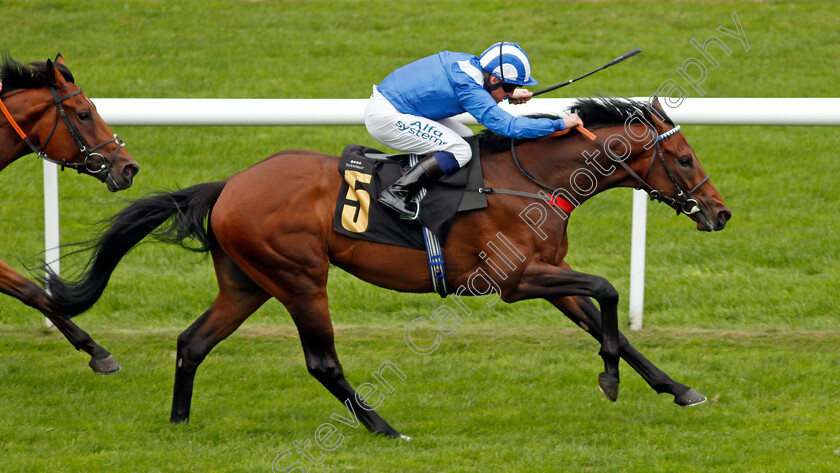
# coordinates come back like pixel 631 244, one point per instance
pixel 411 111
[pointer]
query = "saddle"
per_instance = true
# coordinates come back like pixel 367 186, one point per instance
pixel 358 213
pixel 367 172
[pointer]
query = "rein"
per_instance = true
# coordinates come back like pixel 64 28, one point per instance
pixel 94 163
pixel 683 199
pixel 555 200
pixel 552 199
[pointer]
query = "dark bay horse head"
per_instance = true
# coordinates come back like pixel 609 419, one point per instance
pixel 58 122
pixel 658 160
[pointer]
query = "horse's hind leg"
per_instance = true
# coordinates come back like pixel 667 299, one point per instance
pixel 311 315
pixel 238 298
pixel 583 312
pixel 17 286
pixel 298 279
pixel 101 360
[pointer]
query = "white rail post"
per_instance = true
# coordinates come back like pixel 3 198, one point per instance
pixel 51 233
pixel 637 258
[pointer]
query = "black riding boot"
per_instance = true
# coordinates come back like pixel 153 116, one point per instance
pixel 398 196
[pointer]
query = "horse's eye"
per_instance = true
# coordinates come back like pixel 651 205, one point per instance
pixel 685 161
pixel 84 116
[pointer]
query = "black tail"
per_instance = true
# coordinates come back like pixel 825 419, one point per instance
pixel 185 212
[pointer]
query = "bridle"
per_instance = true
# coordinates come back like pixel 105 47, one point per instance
pixel 93 163
pixel 682 201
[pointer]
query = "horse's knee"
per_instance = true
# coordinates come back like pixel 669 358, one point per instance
pixel 190 352
pixel 324 369
pixel 604 292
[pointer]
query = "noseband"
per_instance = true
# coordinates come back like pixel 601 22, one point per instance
pixel 94 163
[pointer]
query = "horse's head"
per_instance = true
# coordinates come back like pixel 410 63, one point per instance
pixel 675 172
pixel 67 129
pixel 100 152
pixel 655 157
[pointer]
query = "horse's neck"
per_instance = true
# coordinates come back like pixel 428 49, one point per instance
pixel 580 169
pixel 12 145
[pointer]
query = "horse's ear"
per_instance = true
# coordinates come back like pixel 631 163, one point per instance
pixel 657 105
pixel 56 79
pixel 59 59
pixel 654 102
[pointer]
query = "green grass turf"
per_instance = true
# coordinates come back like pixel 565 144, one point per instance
pixel 749 316
pixel 476 404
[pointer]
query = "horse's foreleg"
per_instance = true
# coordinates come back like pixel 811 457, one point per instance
pixel 312 318
pixel 583 312
pixel 540 280
pixel 21 288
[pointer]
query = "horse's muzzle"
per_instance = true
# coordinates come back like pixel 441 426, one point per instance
pixel 121 178
pixel 712 222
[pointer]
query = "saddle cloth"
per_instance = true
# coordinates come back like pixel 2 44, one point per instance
pixel 367 172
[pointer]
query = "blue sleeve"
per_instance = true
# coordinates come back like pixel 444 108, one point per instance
pixel 481 105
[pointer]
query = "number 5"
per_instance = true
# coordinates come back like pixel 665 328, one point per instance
pixel 354 218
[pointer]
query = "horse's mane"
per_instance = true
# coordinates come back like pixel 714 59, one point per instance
pixel 15 75
pixel 594 112
pixel 604 111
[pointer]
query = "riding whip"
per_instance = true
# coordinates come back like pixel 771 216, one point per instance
pixel 611 63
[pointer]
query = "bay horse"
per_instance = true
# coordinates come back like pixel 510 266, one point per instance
pixel 46 113
pixel 269 229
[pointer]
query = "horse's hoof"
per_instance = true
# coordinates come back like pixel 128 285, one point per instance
pixel 690 397
pixel 391 434
pixel 107 365
pixel 176 419
pixel 608 384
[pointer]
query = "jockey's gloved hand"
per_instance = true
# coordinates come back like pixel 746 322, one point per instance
pixel 571 121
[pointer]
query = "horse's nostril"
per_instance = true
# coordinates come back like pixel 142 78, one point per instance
pixel 724 216
pixel 130 171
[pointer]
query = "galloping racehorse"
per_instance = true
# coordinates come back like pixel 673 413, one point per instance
pixel 46 113
pixel 270 232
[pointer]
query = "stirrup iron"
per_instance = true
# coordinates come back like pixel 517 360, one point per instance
pixel 416 215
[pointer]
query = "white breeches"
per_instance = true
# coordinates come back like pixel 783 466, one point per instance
pixel 414 134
